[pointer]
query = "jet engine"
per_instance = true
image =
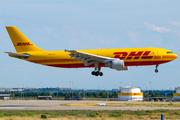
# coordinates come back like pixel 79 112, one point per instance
pixel 116 64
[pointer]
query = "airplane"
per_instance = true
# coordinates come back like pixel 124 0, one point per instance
pixel 118 59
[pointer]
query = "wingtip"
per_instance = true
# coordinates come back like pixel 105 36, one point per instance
pixel 6 52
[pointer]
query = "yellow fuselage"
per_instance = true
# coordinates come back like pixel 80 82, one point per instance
pixel 131 57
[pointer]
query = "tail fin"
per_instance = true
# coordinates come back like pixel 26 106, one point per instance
pixel 20 41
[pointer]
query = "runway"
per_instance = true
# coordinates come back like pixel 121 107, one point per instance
pixel 55 105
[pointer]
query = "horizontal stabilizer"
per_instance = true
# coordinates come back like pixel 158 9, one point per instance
pixel 18 55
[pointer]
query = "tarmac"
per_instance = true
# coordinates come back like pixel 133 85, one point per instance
pixel 56 105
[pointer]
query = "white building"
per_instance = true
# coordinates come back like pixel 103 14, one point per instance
pixel 176 96
pixel 5 96
pixel 130 94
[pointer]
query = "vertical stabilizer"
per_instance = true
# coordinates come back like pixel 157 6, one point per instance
pixel 20 41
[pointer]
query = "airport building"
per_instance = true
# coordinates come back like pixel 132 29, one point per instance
pixel 5 96
pixel 176 96
pixel 130 94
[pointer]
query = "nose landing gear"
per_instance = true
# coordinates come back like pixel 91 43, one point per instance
pixel 156 70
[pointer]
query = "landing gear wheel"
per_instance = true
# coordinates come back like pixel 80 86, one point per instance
pixel 93 72
pixel 156 70
pixel 97 73
pixel 101 74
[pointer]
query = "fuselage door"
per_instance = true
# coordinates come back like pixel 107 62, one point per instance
pixel 157 54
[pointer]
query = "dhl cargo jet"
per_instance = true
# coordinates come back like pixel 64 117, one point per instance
pixel 118 59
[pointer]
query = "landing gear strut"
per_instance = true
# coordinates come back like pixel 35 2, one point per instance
pixel 97 72
pixel 156 70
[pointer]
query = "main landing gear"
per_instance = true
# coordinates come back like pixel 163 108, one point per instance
pixel 156 70
pixel 97 72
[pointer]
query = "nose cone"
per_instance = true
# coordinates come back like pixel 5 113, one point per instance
pixel 170 57
pixel 175 56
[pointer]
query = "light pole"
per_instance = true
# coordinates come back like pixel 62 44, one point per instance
pixel 150 85
pixel 121 91
pixel 159 90
pixel 72 90
pixel 107 96
pixel 113 95
pixel 166 95
pixel 159 85
pixel 70 87
pixel 84 94
pixel 98 91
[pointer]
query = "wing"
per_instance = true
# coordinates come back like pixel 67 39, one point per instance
pixel 87 58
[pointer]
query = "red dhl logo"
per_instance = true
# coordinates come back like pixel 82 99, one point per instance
pixel 133 55
pixel 23 44
pixel 137 94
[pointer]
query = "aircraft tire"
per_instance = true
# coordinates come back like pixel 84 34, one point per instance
pixel 101 74
pixel 93 72
pixel 156 70
pixel 97 73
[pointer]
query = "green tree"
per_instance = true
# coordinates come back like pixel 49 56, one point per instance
pixel 63 94
pixel 151 93
pixel 68 95
pixel 25 94
pixel 75 94
pixel 43 94
pixel 110 95
pixel 95 94
pixel 82 94
pixel 146 95
pixel 17 94
pixel 35 94
pixel 89 94
pixel 29 94
pixel 157 94
pixel 115 94
pixel 102 95
pixel 55 94
pixel 171 94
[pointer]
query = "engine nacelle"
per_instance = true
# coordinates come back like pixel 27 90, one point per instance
pixel 116 64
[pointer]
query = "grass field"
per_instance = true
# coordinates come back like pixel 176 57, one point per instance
pixel 89 115
pixel 127 104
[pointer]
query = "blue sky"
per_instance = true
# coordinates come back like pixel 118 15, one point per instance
pixel 90 24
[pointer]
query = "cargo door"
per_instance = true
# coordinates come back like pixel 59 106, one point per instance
pixel 157 54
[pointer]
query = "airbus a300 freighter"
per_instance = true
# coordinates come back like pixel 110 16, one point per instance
pixel 118 59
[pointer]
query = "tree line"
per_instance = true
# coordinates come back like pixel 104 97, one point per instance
pixel 103 94
pixel 157 94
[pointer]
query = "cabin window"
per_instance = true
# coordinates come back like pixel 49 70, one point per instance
pixel 168 52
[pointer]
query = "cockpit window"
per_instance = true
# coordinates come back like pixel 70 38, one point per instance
pixel 168 52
